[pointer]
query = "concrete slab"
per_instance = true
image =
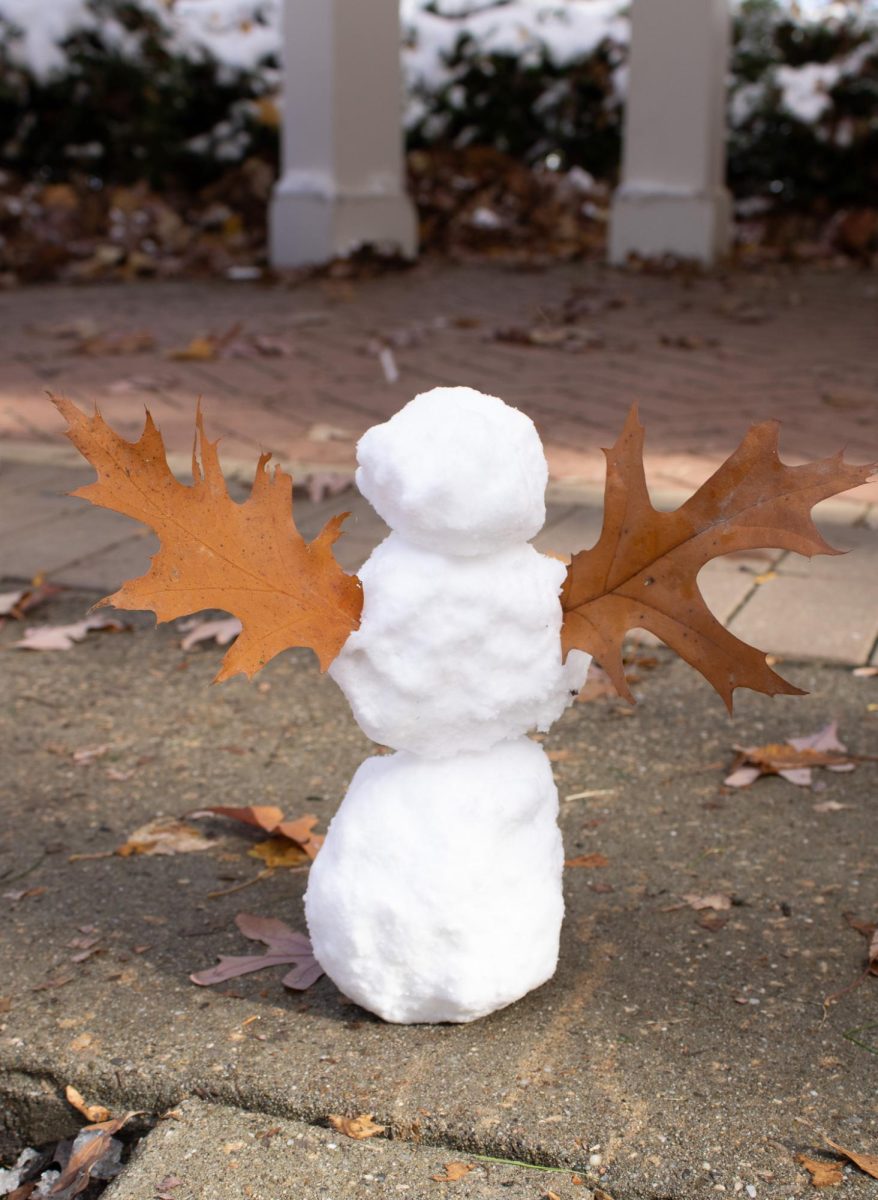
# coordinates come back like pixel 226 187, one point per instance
pixel 831 619
pixel 665 1059
pixel 225 1153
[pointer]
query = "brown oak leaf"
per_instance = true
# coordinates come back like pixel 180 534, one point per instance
pixel 246 559
pixel 453 1172
pixel 823 1173
pixel 285 947
pixel 358 1128
pixel 868 1163
pixel 642 573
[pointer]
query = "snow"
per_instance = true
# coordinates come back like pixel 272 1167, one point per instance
pixel 437 893
pixel 456 471
pixel 521 27
pixel 240 34
pixel 457 653
pixel 805 89
pixel 44 26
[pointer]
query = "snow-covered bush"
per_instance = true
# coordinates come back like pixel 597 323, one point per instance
pixel 181 94
pixel 133 89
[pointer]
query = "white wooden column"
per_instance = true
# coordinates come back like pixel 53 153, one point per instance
pixel 342 179
pixel 672 199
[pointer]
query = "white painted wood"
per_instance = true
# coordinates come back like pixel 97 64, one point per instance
pixel 672 199
pixel 342 180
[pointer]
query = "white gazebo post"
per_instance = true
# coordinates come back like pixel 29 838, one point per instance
pixel 672 199
pixel 341 185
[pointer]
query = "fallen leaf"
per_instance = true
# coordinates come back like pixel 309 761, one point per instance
pixel 454 1171
pixel 246 559
pixel 642 571
pixel 587 860
pixel 221 630
pixel 206 347
pixel 9 602
pixel 869 930
pixel 138 342
pixel 356 1127
pixel 262 816
pixel 868 1163
pixel 793 760
pixel 86 755
pixel 165 835
pixel 94 1113
pixel 63 637
pixel 285 946
pixel 94 1148
pixel 718 901
pixel 823 1173
pixel 321 485
pixel 299 832
pixel 278 852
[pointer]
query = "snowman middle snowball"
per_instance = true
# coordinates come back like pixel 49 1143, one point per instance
pixel 459 641
pixel 457 657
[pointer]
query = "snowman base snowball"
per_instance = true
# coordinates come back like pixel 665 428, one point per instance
pixel 437 893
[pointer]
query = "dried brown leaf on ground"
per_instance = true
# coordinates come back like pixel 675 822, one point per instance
pixel 822 1172
pixel 139 341
pixel 454 1171
pixel 588 860
pixel 868 1163
pixel 16 605
pixel 642 573
pixel 278 852
pixel 64 637
pixel 221 630
pixel 206 347
pixel 718 901
pixel 794 759
pixel 298 832
pixel 165 835
pixel 94 1113
pixel 358 1128
pixel 95 1155
pixel 869 930
pixel 284 947
pixel 245 559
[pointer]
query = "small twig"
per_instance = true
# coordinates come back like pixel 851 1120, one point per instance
pixel 239 887
pixel 836 996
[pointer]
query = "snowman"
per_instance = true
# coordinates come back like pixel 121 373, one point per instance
pixel 437 893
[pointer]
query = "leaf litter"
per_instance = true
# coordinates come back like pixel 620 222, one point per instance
pixel 284 947
pixel 358 1128
pixel 795 759
pixel 64 637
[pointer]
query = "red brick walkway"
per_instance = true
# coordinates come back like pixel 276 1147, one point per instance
pixel 703 358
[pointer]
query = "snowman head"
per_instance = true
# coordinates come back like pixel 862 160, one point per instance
pixel 456 472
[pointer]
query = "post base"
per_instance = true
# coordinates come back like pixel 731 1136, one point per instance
pixel 309 225
pixel 652 223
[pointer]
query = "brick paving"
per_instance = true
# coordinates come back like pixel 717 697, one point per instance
pixel 703 358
